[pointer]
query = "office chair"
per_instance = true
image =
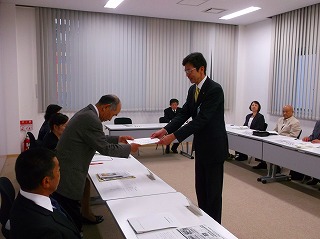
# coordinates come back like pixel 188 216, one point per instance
pixel 7 197
pixel 162 120
pixel 265 126
pixel 33 142
pixel 122 120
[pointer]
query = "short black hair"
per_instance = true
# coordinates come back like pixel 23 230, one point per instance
pixel 109 99
pixel 256 102
pixel 58 119
pixel 196 59
pixel 32 166
pixel 174 101
pixel 51 110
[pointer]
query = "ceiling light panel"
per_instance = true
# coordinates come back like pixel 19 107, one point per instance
pixel 240 13
pixel 113 3
pixel 192 2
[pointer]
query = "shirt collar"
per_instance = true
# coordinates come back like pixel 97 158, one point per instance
pixel 40 200
pixel 95 107
pixel 201 82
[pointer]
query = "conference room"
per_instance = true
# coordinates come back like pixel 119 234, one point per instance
pixel 135 51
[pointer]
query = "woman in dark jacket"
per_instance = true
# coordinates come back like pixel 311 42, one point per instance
pixel 45 128
pixel 255 121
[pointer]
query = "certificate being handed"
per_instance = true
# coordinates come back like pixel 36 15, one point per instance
pixel 143 141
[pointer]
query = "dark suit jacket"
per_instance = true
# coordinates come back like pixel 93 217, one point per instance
pixel 29 220
pixel 208 127
pixel 45 128
pixel 82 137
pixel 257 122
pixel 50 141
pixel 169 114
pixel 316 131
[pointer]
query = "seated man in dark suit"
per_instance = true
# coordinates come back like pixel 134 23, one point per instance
pixel 169 114
pixel 34 214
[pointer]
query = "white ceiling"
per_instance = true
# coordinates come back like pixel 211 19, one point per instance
pixel 171 10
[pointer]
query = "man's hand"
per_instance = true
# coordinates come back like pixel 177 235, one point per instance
pixel 134 147
pixel 167 139
pixel 306 139
pixel 316 141
pixel 159 134
pixel 123 139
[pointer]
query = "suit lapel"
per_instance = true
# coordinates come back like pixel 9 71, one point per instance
pixel 57 216
pixel 64 221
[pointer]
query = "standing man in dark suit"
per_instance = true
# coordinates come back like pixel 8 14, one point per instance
pixel 169 114
pixel 82 137
pixel 206 107
pixel 33 214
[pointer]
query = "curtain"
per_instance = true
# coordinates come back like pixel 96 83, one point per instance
pixel 84 55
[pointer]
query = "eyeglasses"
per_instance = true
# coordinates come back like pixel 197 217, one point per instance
pixel 189 71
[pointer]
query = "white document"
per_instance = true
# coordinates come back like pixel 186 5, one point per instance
pixel 153 222
pixel 238 127
pixel 143 141
pixel 199 232
pixel 307 145
pixel 163 234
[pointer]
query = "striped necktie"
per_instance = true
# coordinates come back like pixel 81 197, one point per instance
pixel 196 94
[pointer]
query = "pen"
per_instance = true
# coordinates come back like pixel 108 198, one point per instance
pixel 95 163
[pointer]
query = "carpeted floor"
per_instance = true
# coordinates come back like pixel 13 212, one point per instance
pixel 251 209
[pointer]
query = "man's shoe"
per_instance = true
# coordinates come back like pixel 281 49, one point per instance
pixel 98 220
pixel 313 181
pixel 174 150
pixel 241 158
pixel 261 165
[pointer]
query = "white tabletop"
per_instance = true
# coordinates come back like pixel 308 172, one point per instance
pixel 139 186
pixel 173 203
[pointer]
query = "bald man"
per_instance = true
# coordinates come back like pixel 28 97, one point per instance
pixel 288 125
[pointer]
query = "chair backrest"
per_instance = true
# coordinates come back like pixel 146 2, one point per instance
pixel 122 120
pixel 163 120
pixel 33 141
pixel 265 126
pixel 7 197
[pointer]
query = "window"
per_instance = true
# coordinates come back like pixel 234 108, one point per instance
pixel 296 62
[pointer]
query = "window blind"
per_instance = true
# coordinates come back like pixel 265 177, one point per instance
pixel 295 77
pixel 84 55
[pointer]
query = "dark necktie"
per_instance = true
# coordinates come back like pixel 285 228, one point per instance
pixel 56 207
